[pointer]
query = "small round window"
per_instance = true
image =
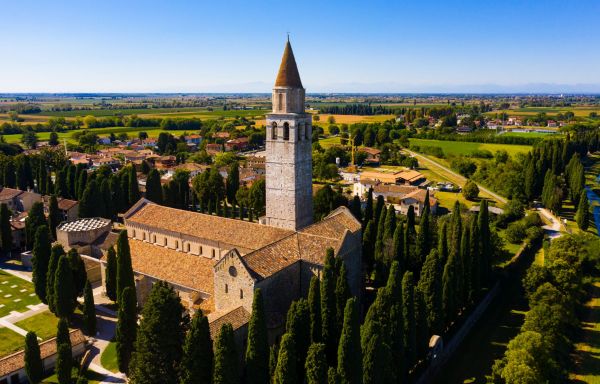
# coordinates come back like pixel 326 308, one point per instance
pixel 232 271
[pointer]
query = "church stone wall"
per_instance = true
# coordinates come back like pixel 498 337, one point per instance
pixel 279 290
pixel 234 286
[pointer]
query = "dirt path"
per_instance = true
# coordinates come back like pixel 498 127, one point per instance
pixel 457 176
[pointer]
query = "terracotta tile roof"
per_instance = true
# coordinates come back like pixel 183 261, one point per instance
pixel 274 257
pixel 9 193
pixel 369 150
pixel 394 188
pixel 288 75
pixel 240 234
pixel 66 204
pixel 16 361
pixel 195 272
pixel 237 318
pixel 419 195
pixel 411 175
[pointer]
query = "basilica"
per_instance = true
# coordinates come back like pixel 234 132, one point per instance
pixel 217 263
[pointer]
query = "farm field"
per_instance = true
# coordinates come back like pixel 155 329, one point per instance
pixel 579 111
pixel 15 294
pixel 102 132
pixel 457 148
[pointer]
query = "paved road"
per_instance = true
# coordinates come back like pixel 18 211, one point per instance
pixel 554 229
pixel 458 176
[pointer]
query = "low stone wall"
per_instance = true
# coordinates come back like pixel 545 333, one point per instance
pixel 451 346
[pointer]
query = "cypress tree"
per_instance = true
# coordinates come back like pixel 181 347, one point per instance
pixel 91 203
pixel 298 326
pixel 64 363
pixel 79 273
pixel 355 208
pixel 424 235
pixel 316 364
pixel 430 286
pixel 332 376
pixel 379 208
pixel 368 247
pixel 53 215
pixel 124 187
pixel 349 366
pixel 89 310
pixel 81 184
pixel 583 212
pixel 40 261
pixel 34 220
pixel 286 370
pixel 377 362
pixel 55 254
pixel 110 279
pixel 390 223
pixel 475 268
pixel 422 325
pixel 197 363
pixel 314 305
pixel 454 254
pixel 410 219
pixel 449 289
pixel 126 331
pixel 408 313
pixel 395 328
pixel 124 269
pixel 342 294
pixel 257 350
pixel 116 192
pixel 64 289
pixel 273 354
pixel 9 174
pixel 160 337
pixel 465 258
pixel 233 182
pixel 107 201
pixel 153 187
pixel 485 247
pixel 328 307
pixel 368 208
pixel 5 229
pixel 442 244
pixel 226 359
pixel 62 332
pixel 133 187
pixel 34 367
pixel 398 245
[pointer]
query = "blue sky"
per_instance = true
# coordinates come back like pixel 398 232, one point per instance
pixel 340 46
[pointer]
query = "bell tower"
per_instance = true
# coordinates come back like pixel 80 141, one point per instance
pixel 289 151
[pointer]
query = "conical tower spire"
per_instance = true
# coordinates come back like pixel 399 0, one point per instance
pixel 288 75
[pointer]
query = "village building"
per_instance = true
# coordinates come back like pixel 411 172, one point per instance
pixel 373 155
pixel 416 199
pixel 69 209
pixel 17 200
pixel 238 144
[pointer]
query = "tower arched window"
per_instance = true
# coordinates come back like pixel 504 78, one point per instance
pixel 279 102
pixel 274 131
pixel 286 131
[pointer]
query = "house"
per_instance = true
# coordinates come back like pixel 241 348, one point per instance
pixel 373 154
pixel 416 199
pixel 392 193
pixel 389 177
pixel 552 123
pixel 193 168
pixel 12 367
pixel 257 163
pixel 69 209
pixel 17 200
pixel 214 148
pixel 464 130
pixel 411 177
pixel 193 139
pixel 221 135
pixel 163 162
pixel 238 144
pixel 98 161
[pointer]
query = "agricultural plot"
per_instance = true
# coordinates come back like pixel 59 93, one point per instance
pixel 578 111
pixel 102 132
pixel 457 148
pixel 15 294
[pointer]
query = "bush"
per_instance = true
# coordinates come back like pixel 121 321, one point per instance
pixel 470 190
pixel 464 166
pixel 515 233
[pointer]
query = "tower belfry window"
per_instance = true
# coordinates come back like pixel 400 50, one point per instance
pixel 274 131
pixel 286 131
pixel 279 102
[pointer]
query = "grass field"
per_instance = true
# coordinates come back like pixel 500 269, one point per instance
pixel 464 148
pixel 530 134
pixel 92 376
pixel 109 357
pixel 579 111
pixel 43 324
pixel 587 351
pixel 15 294
pixel 175 112
pixel 10 342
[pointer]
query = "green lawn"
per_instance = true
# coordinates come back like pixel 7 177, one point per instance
pixel 43 324
pixel 109 357
pixel 92 376
pixel 457 148
pixel 587 351
pixel 10 342
pixel 15 294
pixel 330 141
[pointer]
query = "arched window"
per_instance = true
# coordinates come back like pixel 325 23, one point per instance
pixel 133 233
pixel 241 294
pixel 144 236
pixel 279 102
pixel 201 250
pixel 165 242
pixel 187 247
pixel 213 253
pixel 154 238
pixel 274 131
pixel 177 244
pixel 286 131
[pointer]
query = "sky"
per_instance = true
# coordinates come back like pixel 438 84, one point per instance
pixel 340 46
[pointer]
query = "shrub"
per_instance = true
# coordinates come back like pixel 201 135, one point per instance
pixel 470 190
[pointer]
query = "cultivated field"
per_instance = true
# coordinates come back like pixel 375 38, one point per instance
pixel 457 148
pixel 102 132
